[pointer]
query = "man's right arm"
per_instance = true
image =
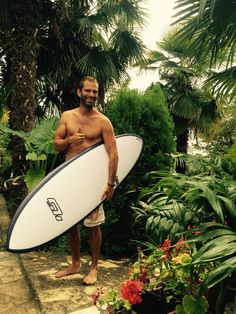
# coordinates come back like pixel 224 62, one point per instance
pixel 61 142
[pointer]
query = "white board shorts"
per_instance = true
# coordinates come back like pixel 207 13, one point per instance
pixel 96 218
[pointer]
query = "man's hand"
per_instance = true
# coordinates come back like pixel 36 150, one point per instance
pixel 108 192
pixel 77 138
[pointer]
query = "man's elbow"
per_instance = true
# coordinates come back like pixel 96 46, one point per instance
pixel 58 147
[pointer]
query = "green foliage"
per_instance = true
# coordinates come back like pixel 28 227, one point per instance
pixel 40 149
pixel 207 31
pixel 223 143
pixel 224 136
pixel 231 155
pixel 5 159
pixel 175 201
pixel 147 116
pixel 190 305
pixel 59 246
pixel 205 201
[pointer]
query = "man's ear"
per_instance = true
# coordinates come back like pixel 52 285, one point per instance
pixel 78 92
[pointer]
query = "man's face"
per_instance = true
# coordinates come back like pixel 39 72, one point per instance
pixel 89 94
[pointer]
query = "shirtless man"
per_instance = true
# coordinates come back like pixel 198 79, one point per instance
pixel 77 130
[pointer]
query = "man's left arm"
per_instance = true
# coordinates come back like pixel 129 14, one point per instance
pixel 110 144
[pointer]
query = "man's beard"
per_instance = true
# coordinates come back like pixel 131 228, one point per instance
pixel 86 103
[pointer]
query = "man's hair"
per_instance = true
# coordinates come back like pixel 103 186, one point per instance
pixel 86 78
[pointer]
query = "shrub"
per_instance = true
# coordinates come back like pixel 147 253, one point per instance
pixel 147 116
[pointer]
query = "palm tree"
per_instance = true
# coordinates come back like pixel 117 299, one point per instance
pixel 209 28
pixel 20 45
pixel 64 40
pixel 191 108
pixel 109 42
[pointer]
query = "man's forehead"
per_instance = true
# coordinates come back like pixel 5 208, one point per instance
pixel 90 85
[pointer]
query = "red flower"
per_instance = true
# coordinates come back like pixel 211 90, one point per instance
pixel 131 291
pixel 194 232
pixel 166 246
pixel 181 246
pixel 143 275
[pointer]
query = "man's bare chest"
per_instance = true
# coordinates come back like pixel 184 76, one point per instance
pixel 90 127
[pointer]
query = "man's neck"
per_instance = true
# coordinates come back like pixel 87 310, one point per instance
pixel 84 110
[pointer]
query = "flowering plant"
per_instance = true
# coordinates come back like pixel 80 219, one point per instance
pixel 123 300
pixel 166 270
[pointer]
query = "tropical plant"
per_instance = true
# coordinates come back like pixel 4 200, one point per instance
pixel 39 145
pixel 208 31
pixel 5 160
pixel 19 23
pixel 222 142
pixel 206 201
pixel 191 107
pixel 109 42
pixel 63 40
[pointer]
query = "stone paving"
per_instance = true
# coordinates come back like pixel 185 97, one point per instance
pixel 28 284
pixel 15 295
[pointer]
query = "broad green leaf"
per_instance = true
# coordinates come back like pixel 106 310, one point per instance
pixel 230 207
pixel 209 235
pixel 179 309
pixel 195 306
pixel 215 252
pixel 202 7
pixel 5 129
pixel 35 157
pixel 218 274
pixel 33 177
pixel 214 201
pixel 149 222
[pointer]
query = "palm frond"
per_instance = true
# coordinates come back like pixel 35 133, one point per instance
pixel 210 28
pixel 128 10
pixel 186 107
pixel 223 83
pixel 98 63
pixel 207 117
pixel 127 45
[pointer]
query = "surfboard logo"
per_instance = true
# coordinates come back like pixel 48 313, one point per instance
pixel 55 208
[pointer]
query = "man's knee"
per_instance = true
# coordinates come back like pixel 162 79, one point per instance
pixel 94 229
pixel 72 232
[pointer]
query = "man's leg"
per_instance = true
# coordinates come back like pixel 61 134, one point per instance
pixel 74 243
pixel 95 240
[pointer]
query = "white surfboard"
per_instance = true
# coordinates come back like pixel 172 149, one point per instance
pixel 68 194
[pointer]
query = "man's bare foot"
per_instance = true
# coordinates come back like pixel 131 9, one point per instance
pixel 68 271
pixel 91 278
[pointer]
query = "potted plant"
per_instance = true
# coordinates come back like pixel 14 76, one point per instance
pixel 162 281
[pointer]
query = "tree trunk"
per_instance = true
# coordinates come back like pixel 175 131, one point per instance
pixel 22 103
pixel 182 147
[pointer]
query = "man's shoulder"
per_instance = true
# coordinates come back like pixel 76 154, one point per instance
pixel 100 114
pixel 104 119
pixel 69 112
